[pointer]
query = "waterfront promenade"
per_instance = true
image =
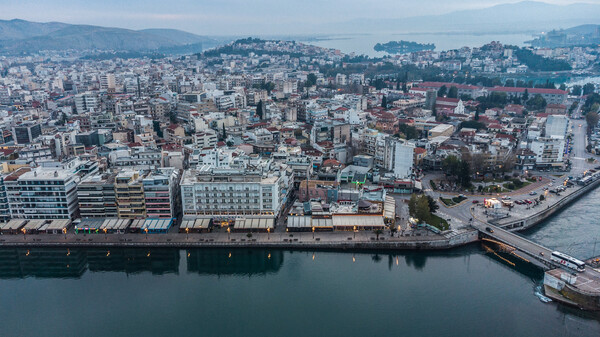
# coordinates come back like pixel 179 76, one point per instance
pixel 327 240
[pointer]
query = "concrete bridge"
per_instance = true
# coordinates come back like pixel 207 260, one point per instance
pixel 529 250
pixel 581 289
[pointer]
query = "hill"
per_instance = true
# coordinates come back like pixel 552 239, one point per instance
pixel 526 16
pixel 20 36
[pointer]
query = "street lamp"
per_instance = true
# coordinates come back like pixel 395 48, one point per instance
pixel 228 233
pixel 146 230
pixel 268 231
pixel 64 230
pixel 354 232
pixel 313 230
pixel 187 233
pixel 105 237
pixel 24 231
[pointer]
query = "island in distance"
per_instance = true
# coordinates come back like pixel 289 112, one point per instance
pixel 403 47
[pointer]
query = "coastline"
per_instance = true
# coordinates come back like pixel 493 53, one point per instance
pixel 319 241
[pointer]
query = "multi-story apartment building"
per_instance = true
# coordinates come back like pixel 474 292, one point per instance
pixel 161 193
pixel 96 196
pixel 399 157
pixel 43 193
pixel 205 139
pixel 87 102
pixel 26 133
pixel 4 209
pixel 129 192
pixel 548 152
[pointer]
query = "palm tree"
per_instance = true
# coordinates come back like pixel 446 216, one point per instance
pixel 378 232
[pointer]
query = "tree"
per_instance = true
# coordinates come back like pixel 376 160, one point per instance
pixel 465 97
pixel 269 86
pixel 576 90
pixel 464 174
pixel 404 87
pixel 412 205
pixel 525 96
pixel 536 103
pixel 442 91
pixel 563 87
pixel 409 132
pixel 472 125
pixel 509 83
pixel 542 197
pixel 460 169
pixel 453 92
pixel 590 101
pixel 422 209
pixel 224 132
pixel 478 163
pixel 592 119
pixel 588 89
pixel 451 165
pixel 172 116
pixel 311 80
pixel 433 205
pixel 259 109
pixel 156 127
pixel 384 102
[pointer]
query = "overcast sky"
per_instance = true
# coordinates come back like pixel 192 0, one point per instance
pixel 238 17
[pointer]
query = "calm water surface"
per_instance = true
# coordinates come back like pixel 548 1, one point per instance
pixel 363 44
pixel 462 292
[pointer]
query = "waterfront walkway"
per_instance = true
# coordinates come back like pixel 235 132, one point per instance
pixel 220 239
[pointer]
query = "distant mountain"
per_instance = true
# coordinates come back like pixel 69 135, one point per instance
pixel 581 35
pixel 526 16
pixel 583 29
pixel 20 29
pixel 20 36
pixel 177 35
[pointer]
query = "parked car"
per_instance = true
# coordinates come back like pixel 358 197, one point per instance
pixel 475 201
pixel 532 193
pixel 489 229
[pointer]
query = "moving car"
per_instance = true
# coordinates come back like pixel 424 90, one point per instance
pixel 489 229
pixel 532 193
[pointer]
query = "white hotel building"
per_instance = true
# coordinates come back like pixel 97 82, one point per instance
pixel 233 193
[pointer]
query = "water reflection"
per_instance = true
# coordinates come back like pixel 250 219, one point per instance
pixel 73 263
pixel 234 261
pixel 42 263
pixel 131 261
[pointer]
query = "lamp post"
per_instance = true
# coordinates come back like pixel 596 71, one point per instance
pixel 64 230
pixel 228 233
pixel 146 230
pixel 187 233
pixel 105 237
pixel 268 232
pixel 313 230
pixel 354 231
pixel 24 231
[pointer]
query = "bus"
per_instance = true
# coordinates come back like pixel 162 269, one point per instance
pixel 567 261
